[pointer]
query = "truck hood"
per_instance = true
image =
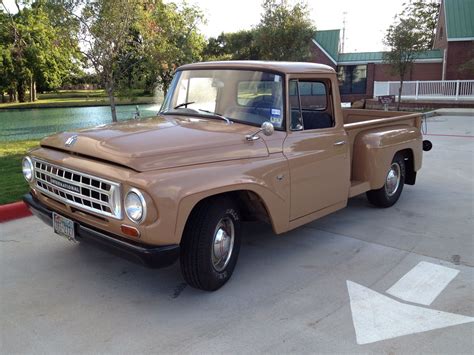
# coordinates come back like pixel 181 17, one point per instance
pixel 162 142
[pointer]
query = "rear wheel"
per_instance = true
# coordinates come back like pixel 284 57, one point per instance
pixel 211 244
pixel 389 194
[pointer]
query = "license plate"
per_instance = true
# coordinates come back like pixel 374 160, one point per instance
pixel 64 227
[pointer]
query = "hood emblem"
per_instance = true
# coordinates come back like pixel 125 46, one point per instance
pixel 71 140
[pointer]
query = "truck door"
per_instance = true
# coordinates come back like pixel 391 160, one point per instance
pixel 316 147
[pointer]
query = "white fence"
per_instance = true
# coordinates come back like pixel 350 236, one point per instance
pixel 428 90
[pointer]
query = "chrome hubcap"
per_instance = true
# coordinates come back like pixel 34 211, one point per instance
pixel 393 179
pixel 223 243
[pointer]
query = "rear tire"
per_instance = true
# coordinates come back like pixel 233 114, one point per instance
pixel 389 194
pixel 211 244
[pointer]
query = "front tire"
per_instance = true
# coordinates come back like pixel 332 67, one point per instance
pixel 211 244
pixel 389 194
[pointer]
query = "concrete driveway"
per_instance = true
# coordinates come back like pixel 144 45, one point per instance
pixel 288 293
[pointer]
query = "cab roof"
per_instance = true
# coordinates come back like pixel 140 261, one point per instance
pixel 281 67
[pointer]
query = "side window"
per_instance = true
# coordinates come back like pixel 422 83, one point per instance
pixel 316 110
pixel 313 95
pixel 295 109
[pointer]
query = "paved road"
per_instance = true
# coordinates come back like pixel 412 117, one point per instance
pixel 288 293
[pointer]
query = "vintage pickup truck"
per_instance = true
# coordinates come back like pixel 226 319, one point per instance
pixel 233 141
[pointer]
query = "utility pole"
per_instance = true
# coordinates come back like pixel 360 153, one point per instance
pixel 343 31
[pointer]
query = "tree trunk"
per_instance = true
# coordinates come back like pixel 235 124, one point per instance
pixel 11 95
pixel 20 88
pixel 113 110
pixel 3 97
pixel 400 95
pixel 33 91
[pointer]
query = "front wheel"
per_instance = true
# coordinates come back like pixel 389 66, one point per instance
pixel 389 194
pixel 211 244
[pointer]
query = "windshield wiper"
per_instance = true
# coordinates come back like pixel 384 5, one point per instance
pixel 216 115
pixel 184 104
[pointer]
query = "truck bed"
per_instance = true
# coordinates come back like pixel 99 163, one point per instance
pixel 374 117
pixel 357 120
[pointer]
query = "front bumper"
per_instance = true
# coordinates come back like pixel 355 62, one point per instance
pixel 150 256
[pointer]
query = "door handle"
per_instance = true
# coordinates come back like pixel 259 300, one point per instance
pixel 340 143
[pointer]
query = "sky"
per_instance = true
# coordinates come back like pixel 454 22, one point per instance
pixel 366 20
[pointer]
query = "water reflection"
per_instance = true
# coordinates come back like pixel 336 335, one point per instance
pixel 21 124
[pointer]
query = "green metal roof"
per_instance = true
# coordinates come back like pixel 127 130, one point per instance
pixel 459 18
pixel 369 57
pixel 329 40
pixel 360 57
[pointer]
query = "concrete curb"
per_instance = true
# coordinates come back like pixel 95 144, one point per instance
pixel 454 112
pixel 13 211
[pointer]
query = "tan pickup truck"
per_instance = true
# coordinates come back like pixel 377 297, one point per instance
pixel 233 141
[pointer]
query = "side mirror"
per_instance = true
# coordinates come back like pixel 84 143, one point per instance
pixel 266 128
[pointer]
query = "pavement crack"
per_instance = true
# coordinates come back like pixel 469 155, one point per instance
pixel 10 241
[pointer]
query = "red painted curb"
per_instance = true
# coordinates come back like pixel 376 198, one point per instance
pixel 13 211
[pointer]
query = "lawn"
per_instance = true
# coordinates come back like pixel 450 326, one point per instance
pixel 12 183
pixel 74 98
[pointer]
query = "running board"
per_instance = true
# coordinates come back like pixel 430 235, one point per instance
pixel 358 187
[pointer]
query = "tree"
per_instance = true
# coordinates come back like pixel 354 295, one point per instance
pixel 171 38
pixel 39 48
pixel 412 33
pixel 425 14
pixel 406 43
pixel 7 79
pixel 284 31
pixel 239 45
pixel 109 38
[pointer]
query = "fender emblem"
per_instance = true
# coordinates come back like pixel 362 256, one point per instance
pixel 71 140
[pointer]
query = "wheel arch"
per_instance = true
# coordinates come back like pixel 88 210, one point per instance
pixel 410 173
pixel 253 202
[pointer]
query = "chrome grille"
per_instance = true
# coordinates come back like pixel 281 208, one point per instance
pixel 77 189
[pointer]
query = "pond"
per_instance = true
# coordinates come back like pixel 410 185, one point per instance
pixel 36 123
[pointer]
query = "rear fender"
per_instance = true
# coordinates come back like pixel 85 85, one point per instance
pixel 374 151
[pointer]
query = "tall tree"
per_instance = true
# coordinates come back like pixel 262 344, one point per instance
pixel 239 45
pixel 285 31
pixel 7 77
pixel 171 38
pixel 425 14
pixel 406 43
pixel 41 50
pixel 109 39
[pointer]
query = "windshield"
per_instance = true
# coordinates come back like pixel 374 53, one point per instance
pixel 244 96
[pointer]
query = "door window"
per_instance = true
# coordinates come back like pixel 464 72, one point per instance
pixel 310 105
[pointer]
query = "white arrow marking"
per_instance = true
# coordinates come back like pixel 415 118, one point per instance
pixel 423 283
pixel 377 317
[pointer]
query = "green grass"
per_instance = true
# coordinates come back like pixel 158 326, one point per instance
pixel 75 98
pixel 12 184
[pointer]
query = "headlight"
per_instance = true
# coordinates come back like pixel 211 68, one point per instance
pixel 27 167
pixel 135 206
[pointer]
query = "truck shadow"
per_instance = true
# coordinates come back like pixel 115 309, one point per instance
pixel 265 260
pixel 262 253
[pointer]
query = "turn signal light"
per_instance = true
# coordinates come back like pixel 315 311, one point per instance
pixel 130 231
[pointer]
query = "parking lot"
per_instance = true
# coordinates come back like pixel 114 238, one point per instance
pixel 289 293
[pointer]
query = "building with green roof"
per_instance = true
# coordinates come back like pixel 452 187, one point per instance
pixel 453 48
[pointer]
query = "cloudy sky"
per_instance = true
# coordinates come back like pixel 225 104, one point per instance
pixel 366 20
